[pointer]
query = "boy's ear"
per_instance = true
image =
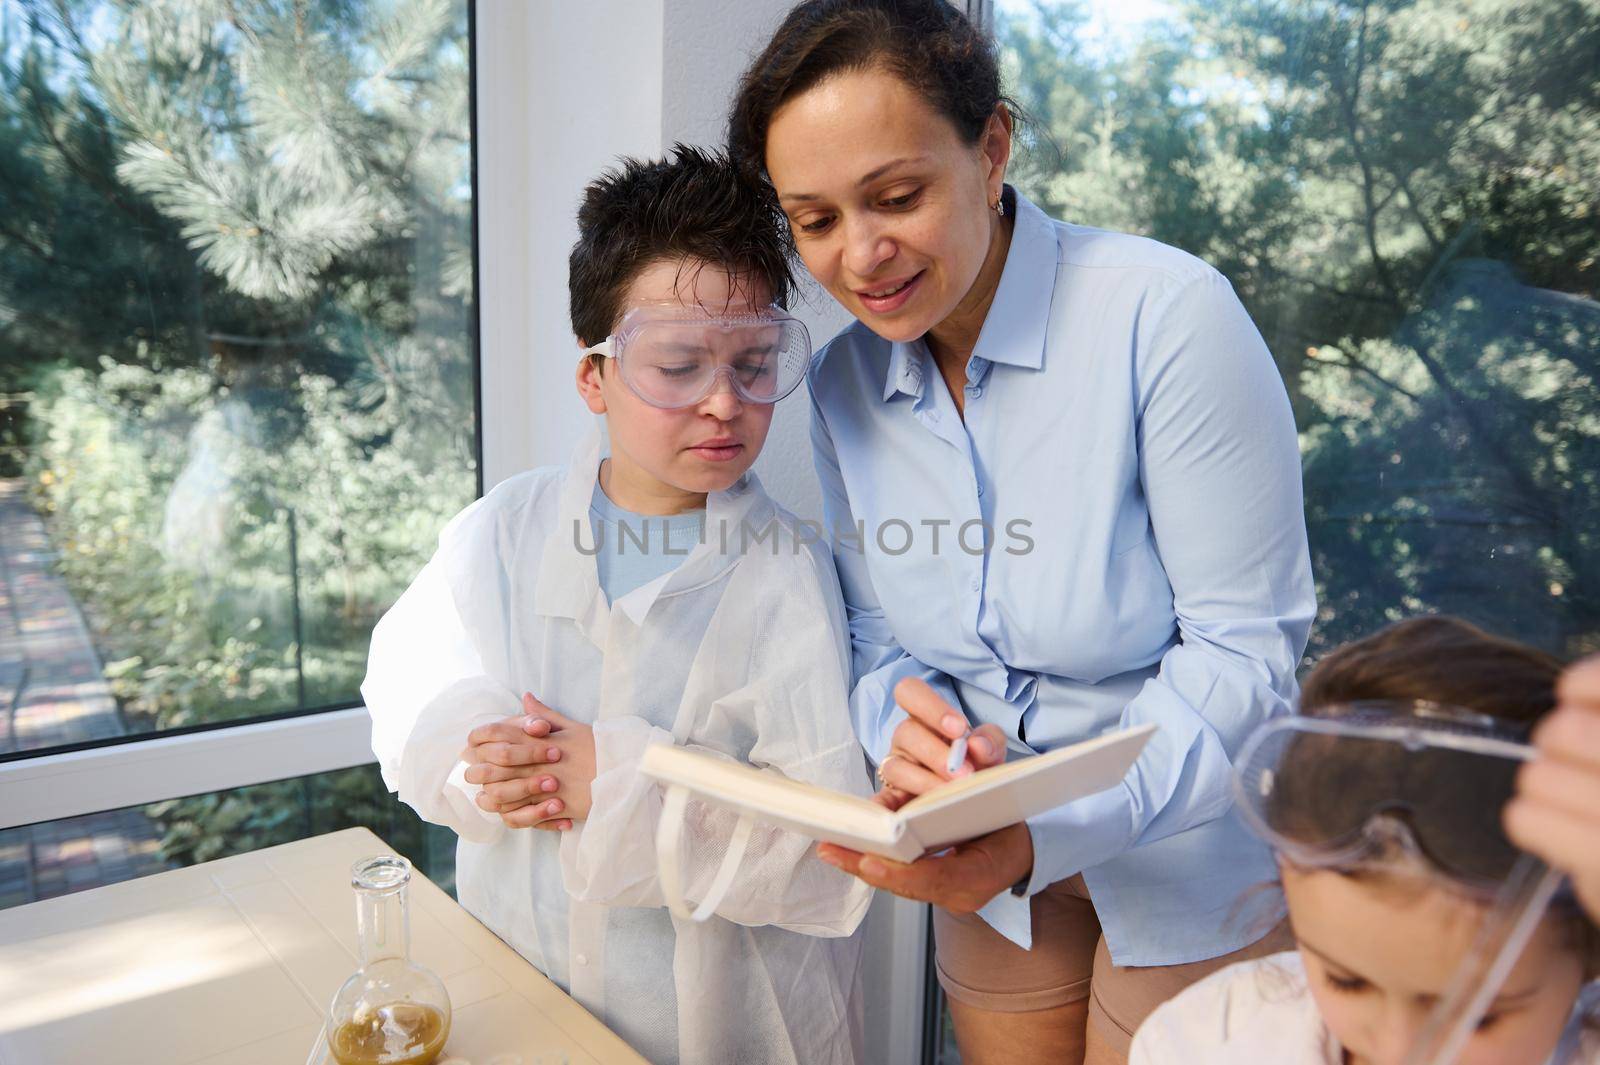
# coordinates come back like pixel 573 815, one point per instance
pixel 589 385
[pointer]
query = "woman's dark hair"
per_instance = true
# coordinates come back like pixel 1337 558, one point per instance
pixel 928 44
pixel 693 207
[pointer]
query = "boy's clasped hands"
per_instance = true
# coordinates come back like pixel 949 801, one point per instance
pixel 535 768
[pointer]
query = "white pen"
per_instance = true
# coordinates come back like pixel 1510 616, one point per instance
pixel 958 752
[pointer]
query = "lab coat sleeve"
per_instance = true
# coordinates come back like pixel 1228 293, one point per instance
pixel 878 662
pixel 425 690
pixel 1221 473
pixel 795 703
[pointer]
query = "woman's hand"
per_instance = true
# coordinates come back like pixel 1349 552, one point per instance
pixel 919 752
pixel 535 770
pixel 968 875
pixel 962 879
pixel 1556 812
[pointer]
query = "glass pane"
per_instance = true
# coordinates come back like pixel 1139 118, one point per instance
pixel 74 854
pixel 237 400
pixel 1403 196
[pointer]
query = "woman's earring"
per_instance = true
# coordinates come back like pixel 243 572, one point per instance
pixel 1000 207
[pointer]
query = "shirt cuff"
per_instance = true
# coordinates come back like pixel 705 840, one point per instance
pixel 1079 836
pixel 1011 916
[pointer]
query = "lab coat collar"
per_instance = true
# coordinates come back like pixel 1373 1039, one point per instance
pixel 569 579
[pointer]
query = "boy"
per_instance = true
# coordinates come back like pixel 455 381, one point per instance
pixel 571 618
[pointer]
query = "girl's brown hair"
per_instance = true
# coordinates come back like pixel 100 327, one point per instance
pixel 1441 660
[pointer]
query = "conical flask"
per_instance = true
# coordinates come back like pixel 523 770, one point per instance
pixel 391 1011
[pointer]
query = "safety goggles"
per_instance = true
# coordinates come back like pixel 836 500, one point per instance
pixel 672 356
pixel 1355 782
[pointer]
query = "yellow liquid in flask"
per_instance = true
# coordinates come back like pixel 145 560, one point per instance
pixel 404 1033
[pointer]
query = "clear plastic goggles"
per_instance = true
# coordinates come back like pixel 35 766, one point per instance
pixel 672 356
pixel 1369 783
pixel 1357 781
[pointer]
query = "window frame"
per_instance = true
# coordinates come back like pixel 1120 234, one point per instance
pixel 71 780
pixel 514 220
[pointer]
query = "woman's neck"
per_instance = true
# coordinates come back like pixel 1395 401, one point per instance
pixel 952 340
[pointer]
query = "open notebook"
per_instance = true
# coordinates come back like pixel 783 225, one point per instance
pixel 957 811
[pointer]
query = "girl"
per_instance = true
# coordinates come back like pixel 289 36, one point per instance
pixel 1389 843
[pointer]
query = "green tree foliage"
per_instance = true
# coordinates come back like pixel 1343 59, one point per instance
pixel 235 292
pixel 1406 197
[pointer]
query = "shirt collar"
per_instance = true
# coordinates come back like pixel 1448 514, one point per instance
pixel 1018 320
pixel 905 370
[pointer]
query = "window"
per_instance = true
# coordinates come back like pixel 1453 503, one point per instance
pixel 44 861
pixel 236 298
pixel 238 401
pixel 1403 197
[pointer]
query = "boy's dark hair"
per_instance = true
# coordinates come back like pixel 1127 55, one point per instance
pixel 693 206
pixel 928 44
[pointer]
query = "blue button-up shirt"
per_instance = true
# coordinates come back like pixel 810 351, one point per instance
pixel 1113 535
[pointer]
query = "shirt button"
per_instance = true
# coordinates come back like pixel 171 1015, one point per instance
pixel 980 491
pixel 581 959
pixel 976 390
pixel 975 583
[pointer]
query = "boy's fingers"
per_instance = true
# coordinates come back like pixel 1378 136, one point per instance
pixel 489 773
pixel 534 708
pixel 536 726
pixel 560 824
pixel 512 790
pixel 518 754
pixel 556 718
pixel 495 732
pixel 531 814
pixel 485 801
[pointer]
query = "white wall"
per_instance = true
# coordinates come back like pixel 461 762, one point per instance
pixel 586 83
pixel 563 89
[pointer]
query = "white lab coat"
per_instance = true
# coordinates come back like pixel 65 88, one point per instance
pixel 739 654
pixel 1262 1011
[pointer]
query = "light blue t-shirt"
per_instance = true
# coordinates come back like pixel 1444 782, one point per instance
pixel 634 549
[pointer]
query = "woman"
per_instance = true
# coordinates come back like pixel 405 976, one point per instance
pixel 1077 482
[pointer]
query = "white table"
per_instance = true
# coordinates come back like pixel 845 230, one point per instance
pixel 234 961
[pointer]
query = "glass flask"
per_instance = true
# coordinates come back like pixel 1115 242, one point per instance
pixel 392 1011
